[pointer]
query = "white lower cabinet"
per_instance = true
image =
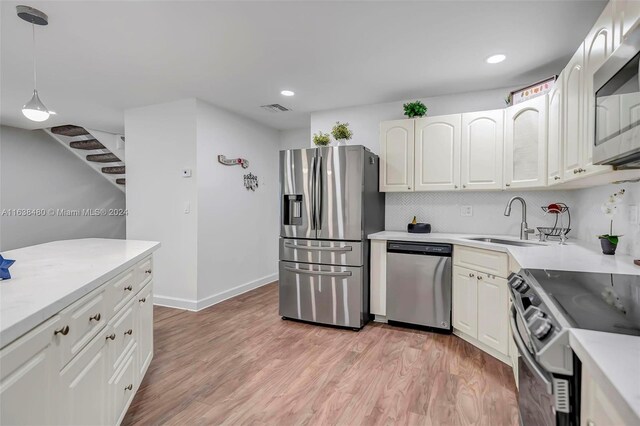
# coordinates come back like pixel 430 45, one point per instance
pixel 595 407
pixel 28 376
pixel 84 365
pixel 481 301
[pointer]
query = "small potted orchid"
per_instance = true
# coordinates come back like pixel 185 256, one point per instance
pixel 609 242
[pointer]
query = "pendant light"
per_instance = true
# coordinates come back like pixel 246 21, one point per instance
pixel 34 110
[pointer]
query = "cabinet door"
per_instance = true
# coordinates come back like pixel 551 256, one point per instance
pixel 627 14
pixel 526 144
pixel 598 47
pixel 29 378
pixel 144 317
pixel 396 155
pixel 465 301
pixel 554 155
pixel 482 149
pixel 573 115
pixel 595 407
pixel 85 385
pixel 493 320
pixel 437 163
pixel 378 296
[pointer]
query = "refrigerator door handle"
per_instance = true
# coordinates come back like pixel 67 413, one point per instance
pixel 319 248
pixel 318 194
pixel 311 272
pixel 313 192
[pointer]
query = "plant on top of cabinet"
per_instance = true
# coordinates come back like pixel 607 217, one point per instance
pixel 609 242
pixel 415 109
pixel 321 139
pixel 341 133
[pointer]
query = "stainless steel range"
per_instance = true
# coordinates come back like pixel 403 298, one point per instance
pixel 546 304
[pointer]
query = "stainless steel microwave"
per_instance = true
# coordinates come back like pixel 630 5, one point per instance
pixel 617 86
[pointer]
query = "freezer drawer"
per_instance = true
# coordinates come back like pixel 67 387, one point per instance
pixel 325 252
pixel 320 293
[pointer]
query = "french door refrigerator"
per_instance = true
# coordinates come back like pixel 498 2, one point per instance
pixel 329 204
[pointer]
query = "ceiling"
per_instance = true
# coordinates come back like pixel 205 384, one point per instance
pixel 97 58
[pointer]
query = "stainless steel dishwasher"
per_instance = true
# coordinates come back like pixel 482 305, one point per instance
pixel 419 283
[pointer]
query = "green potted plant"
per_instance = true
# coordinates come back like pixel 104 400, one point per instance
pixel 341 133
pixel 415 109
pixel 609 242
pixel 321 139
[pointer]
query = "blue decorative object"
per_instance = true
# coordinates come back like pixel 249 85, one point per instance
pixel 4 268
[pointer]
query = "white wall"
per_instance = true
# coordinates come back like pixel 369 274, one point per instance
pixel 237 228
pixel 37 172
pixel 161 140
pixel 294 138
pixel 365 120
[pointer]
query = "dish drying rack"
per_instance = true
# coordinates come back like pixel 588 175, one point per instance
pixel 558 230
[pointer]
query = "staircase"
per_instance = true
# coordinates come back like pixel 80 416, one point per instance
pixel 102 151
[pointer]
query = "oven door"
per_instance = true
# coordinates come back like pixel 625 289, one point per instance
pixel 535 398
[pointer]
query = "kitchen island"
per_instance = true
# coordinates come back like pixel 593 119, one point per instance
pixel 76 330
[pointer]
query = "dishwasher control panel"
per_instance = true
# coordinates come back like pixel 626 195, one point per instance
pixel 409 247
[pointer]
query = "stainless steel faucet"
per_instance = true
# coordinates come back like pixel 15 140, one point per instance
pixel 524 229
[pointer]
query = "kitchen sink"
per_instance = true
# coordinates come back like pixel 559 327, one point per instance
pixel 505 242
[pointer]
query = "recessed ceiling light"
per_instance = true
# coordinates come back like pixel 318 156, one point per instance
pixel 496 59
pixel 287 93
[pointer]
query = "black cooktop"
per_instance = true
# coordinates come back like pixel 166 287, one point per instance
pixel 600 302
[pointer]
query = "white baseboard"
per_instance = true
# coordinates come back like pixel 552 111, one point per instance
pixel 197 305
pixel 175 302
pixel 235 291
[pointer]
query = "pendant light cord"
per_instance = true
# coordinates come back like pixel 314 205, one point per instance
pixel 35 77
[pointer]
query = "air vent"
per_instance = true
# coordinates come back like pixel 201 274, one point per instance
pixel 561 392
pixel 275 108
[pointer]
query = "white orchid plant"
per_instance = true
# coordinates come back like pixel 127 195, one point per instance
pixel 610 209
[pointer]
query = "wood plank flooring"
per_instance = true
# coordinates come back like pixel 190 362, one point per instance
pixel 239 363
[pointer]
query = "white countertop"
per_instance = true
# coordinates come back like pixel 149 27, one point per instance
pixel 49 277
pixel 613 359
pixel 574 256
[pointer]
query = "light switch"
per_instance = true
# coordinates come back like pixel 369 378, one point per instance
pixel 186 173
pixel 466 211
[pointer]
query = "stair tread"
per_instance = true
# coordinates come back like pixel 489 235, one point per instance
pixel 87 144
pixel 114 170
pixel 103 158
pixel 69 130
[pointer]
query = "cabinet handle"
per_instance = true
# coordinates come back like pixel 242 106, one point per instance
pixel 64 331
pixel 575 171
pixel 479 277
pixel 557 177
pixel 581 170
pixel 408 187
pixel 148 271
pixel 129 332
pixel 128 288
pixel 471 275
pixel 507 184
pixel 112 336
pixel 96 317
pixel 455 186
pixel 464 186
pixel 144 299
pixel 128 388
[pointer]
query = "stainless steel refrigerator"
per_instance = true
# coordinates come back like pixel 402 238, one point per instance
pixel 329 204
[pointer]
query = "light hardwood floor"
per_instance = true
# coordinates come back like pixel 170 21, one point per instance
pixel 239 363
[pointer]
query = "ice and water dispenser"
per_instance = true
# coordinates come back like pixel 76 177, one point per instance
pixel 292 211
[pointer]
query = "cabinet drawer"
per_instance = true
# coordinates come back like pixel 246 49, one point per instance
pixel 123 386
pixel 121 335
pixel 487 261
pixel 144 271
pixel 84 319
pixel 121 289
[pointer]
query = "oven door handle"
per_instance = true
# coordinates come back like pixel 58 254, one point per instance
pixel 542 375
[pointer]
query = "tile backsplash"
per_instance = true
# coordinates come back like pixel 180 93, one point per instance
pixel 443 210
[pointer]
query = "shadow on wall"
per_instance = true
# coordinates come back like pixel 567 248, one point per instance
pixel 48 194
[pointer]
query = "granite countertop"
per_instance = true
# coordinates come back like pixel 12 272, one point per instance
pixel 47 278
pixel 613 359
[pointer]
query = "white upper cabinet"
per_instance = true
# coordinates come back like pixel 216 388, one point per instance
pixel 526 144
pixel 598 46
pixel 437 159
pixel 573 114
pixel 396 155
pixel 482 149
pixel 626 14
pixel 554 150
